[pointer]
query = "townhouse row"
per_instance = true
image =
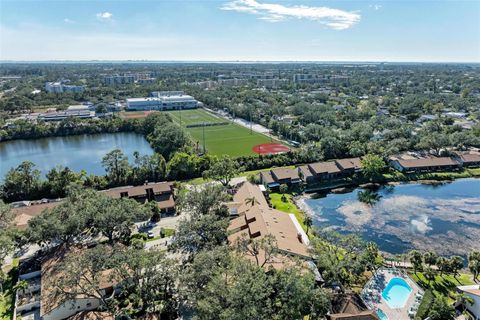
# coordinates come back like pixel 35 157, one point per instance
pixel 408 162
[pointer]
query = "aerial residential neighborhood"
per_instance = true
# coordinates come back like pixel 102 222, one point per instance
pixel 239 160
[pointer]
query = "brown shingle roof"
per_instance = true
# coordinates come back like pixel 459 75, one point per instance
pixel 246 191
pixel 139 191
pixel 469 157
pixel 350 163
pixel 324 167
pixel 25 214
pixel 270 221
pixel 267 177
pixel 285 173
pixel 305 170
pixel 427 162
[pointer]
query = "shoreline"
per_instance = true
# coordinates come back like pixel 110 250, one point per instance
pixel 317 213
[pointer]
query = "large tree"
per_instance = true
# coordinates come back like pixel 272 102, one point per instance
pixel 441 310
pixel 114 218
pixel 117 167
pixel 22 182
pixel 223 170
pixel 169 138
pixel 6 236
pixel 198 233
pixel 202 200
pixel 372 166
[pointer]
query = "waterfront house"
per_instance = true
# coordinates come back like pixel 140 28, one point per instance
pixel 325 170
pixel 468 159
pixel 412 162
pixel 329 170
pixel 161 192
pixel 349 166
pixel 275 177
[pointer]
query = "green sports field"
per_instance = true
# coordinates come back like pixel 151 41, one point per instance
pixel 230 139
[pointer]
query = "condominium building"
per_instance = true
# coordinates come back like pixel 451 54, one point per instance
pixel 114 80
pixel 316 78
pixel 60 87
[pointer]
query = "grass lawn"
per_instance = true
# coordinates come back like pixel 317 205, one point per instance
pixel 442 285
pixel 230 139
pixel 288 207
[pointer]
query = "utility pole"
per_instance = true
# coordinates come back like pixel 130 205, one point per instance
pixel 251 125
pixel 204 151
pixel 180 117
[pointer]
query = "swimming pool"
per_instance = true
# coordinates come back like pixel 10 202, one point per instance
pixel 396 293
pixel 382 315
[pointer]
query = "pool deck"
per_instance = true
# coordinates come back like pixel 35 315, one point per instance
pixel 372 294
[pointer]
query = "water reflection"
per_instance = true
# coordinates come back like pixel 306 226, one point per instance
pixel 444 218
pixel 76 152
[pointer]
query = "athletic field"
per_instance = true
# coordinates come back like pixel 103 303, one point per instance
pixel 230 139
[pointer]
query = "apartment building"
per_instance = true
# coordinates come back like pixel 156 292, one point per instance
pixel 60 87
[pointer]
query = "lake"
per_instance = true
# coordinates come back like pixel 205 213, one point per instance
pixel 443 217
pixel 76 152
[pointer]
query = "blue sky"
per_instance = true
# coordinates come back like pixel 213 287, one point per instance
pixel 436 31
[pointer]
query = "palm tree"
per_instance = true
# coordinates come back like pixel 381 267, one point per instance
pixel 442 264
pixel 474 264
pixel 416 259
pixel 308 222
pixel 251 201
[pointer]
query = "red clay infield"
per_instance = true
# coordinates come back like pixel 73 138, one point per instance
pixel 270 148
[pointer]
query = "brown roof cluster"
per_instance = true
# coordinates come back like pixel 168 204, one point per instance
pixel 333 167
pixel 141 191
pixel 324 167
pixel 256 220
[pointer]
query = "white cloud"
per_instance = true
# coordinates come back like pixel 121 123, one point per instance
pixel 104 16
pixel 333 18
pixel 375 7
pixel 67 20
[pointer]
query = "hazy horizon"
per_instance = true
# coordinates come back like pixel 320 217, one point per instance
pixel 241 30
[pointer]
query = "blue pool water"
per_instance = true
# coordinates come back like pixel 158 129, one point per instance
pixel 396 293
pixel 381 315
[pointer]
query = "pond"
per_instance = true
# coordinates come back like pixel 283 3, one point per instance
pixel 442 217
pixel 76 152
